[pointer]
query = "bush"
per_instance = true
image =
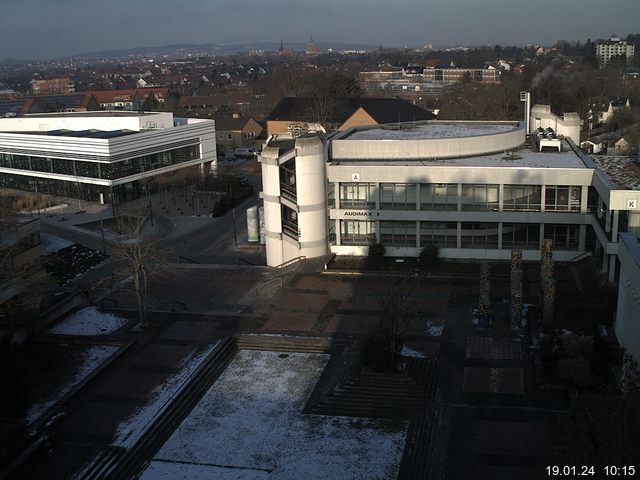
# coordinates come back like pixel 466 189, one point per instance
pixel 376 353
pixel 429 256
pixel 575 346
pixel 575 371
pixel 376 253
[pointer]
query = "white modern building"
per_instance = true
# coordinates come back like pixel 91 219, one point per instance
pixel 627 324
pixel 472 188
pixel 101 156
pixel 614 47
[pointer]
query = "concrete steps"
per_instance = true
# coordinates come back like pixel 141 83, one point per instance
pixel 128 463
pixel 379 395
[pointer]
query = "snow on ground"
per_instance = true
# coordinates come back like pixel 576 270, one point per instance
pixel 409 352
pixel 250 420
pixel 430 131
pixel 88 321
pixel 89 360
pixel 51 243
pixel 435 328
pixel 173 471
pixel 130 431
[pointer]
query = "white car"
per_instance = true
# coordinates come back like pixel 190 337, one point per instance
pixel 244 152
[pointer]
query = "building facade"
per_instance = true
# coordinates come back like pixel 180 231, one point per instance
pixel 101 156
pixel 471 188
pixel 614 47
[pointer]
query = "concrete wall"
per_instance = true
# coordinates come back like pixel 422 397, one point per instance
pixel 407 149
pixel 567 126
pixel 311 196
pixel 78 122
pixel 627 323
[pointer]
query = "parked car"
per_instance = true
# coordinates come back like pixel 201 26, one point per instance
pixel 245 152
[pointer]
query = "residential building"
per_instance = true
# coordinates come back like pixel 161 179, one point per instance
pixel 101 156
pixel 52 86
pixel 614 47
pixel 127 100
pixel 235 131
pixel 71 102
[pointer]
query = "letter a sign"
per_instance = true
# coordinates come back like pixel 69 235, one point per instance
pixel 355 177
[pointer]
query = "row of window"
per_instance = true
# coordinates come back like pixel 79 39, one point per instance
pixel 446 196
pixel 445 234
pixel 106 171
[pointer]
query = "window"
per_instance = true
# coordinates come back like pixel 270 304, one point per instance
pixel 288 179
pixel 562 198
pixel 522 197
pixel 442 234
pixel 479 197
pixel 398 233
pixel 356 232
pixel 331 195
pixel 479 235
pixel 229 136
pixel 398 196
pixel 521 235
pixel 357 195
pixel 564 237
pixel 439 196
pixel 289 222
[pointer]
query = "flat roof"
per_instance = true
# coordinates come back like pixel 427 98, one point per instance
pixel 622 171
pixel 523 158
pixel 92 113
pixel 430 130
pixel 90 133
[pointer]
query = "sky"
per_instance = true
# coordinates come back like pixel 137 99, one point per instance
pixel 46 29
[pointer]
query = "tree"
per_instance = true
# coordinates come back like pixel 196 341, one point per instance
pixel 142 257
pixel 375 255
pixel 328 98
pixel 400 300
pixel 429 256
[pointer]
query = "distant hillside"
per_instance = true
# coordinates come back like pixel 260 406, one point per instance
pixel 185 50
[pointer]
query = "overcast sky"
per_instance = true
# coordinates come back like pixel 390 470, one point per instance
pixel 43 29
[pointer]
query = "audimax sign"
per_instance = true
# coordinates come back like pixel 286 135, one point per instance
pixel 361 213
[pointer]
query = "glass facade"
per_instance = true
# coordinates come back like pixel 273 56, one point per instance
pixel 562 198
pixel 356 232
pixel 480 197
pixel 289 222
pixel 522 197
pixel 521 236
pixel 357 195
pixel 398 234
pixel 439 196
pixel 442 234
pixel 104 171
pixel 564 237
pixel 479 235
pixel 397 196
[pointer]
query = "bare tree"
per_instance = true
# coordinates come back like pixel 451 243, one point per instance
pixel 142 258
pixel 400 301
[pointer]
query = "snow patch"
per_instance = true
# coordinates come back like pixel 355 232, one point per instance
pixel 130 431
pixel 88 321
pixel 409 352
pixel 251 420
